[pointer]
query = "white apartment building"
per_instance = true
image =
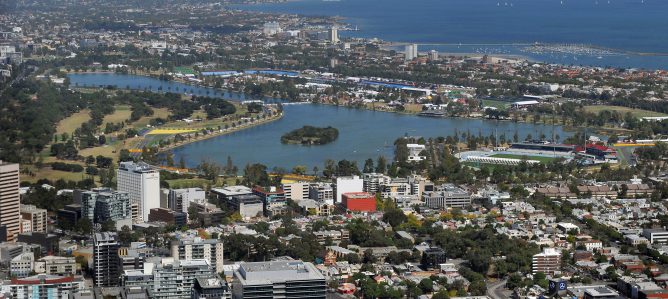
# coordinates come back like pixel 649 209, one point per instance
pixel 197 248
pixel 348 184
pixel 142 182
pixel 322 192
pixel 36 217
pixel 179 199
pixel 373 182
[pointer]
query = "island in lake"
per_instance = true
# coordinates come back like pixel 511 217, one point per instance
pixel 311 135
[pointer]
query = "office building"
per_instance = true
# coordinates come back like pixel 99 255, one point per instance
pixel 8 251
pixel 656 235
pixel 278 279
pixel 212 287
pixel 142 182
pixel 43 286
pixel 296 191
pixel 447 196
pixel 48 243
pixel 359 202
pixel 197 248
pixel 103 204
pixel 131 258
pixel 36 217
pixel 396 187
pixel 10 216
pixel 432 257
pixel 248 205
pixel 169 278
pixel 56 265
pixel 334 35
pixel 22 265
pixel 348 184
pixel 69 215
pixel 547 262
pixel 208 214
pixel 419 185
pixel 274 201
pixel 224 194
pixel 105 260
pixel 322 192
pixel 411 52
pixel 178 219
pixel 179 199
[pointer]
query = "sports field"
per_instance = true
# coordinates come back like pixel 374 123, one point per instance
pixel 623 110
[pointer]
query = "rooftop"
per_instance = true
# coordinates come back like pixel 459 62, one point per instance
pixel 232 190
pixel 260 273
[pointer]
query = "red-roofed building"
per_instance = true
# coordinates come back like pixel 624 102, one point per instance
pixel 359 201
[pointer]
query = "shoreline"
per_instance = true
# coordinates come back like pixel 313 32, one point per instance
pixel 409 113
pixel 222 133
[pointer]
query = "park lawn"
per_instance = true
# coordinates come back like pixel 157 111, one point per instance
pixel 537 158
pixel 623 110
pixel 106 150
pixel 53 175
pixel 157 113
pixel 121 114
pixel 188 183
pixel 74 121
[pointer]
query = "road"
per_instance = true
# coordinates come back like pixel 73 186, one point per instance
pixel 495 289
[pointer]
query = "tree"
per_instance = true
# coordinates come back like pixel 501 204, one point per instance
pixel 299 170
pixel 478 288
pixel 368 166
pixel 109 226
pixel 83 226
pixel 125 235
pixel 394 217
pixel 368 257
pixel 209 169
pixel 256 175
pixel 381 165
pixel 229 166
pixel 426 285
pixel 441 294
pixel 514 281
pixel 353 258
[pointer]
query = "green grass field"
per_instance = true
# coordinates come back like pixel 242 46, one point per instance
pixel 122 113
pixel 498 104
pixel 157 113
pixel 74 121
pixel 623 110
pixel 188 183
pixel 537 158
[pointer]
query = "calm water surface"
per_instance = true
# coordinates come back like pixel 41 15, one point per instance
pixel 362 133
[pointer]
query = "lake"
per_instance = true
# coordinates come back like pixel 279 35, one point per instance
pixel 628 25
pixel 362 133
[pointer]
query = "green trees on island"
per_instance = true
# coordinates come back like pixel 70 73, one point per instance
pixel 311 135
